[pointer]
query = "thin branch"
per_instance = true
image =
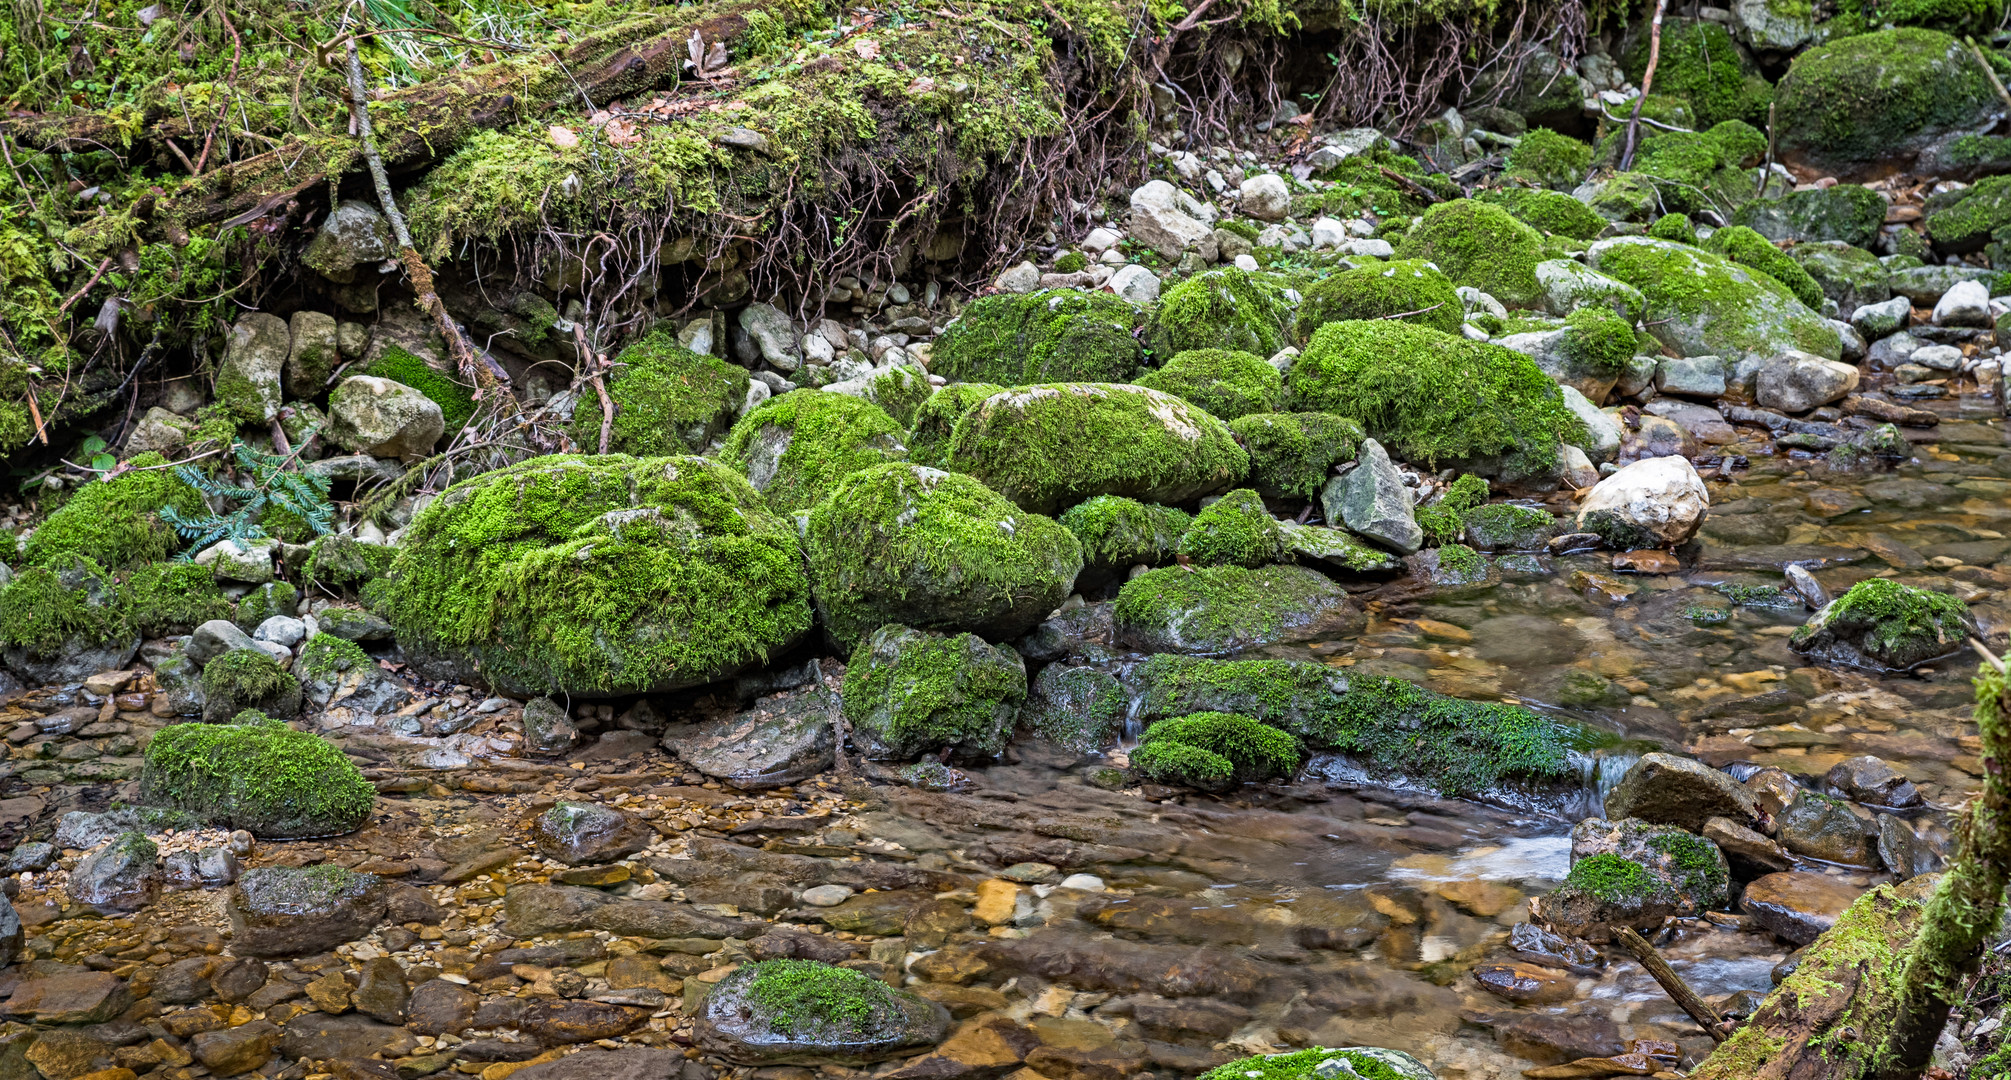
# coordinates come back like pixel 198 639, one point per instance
pixel 230 80
pixel 1706 1017
pixel 1647 81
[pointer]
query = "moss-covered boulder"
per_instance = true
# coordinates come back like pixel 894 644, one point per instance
pixel 1680 171
pixel 1702 304
pixel 795 447
pixel 64 622
pixel 912 692
pixel 1604 892
pixel 1318 1063
pixel 167 598
pixel 1437 398
pixel 1569 285
pixel 257 774
pixel 1051 446
pixel 1078 708
pixel 1850 213
pixel 1548 160
pixel 341 565
pixel 1853 277
pixel 1865 105
pixel 1410 288
pixel 1547 211
pixel 1292 454
pixel 1507 527
pixel 244 679
pixel 667 400
pixel 934 550
pixel 1053 335
pixel 595 576
pixel 1225 308
pixel 456 401
pixel 1481 245
pixel 1215 751
pixel 1119 533
pixel 1883 625
pixel 936 418
pixel 1224 382
pixel 1234 530
pixel 1228 609
pixel 1755 252
pixel 1589 353
pixel 783 1011
pixel 265 601
pixel 1701 64
pixel 901 390
pixel 117 522
pixel 1972 218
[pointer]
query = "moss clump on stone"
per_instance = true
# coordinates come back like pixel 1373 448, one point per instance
pixel 256 773
pixel 1681 171
pixel 1702 65
pixel 1701 303
pixel 326 655
pixel 1225 382
pixel 1359 184
pixel 342 564
pixel 1049 447
pixel 1697 864
pixel 46 608
pixel 1549 160
pixel 1748 248
pixel 1211 748
pixel 1675 228
pixel 173 598
pixel 1181 763
pixel 1507 527
pixel 667 399
pixel 457 402
pixel 1481 245
pixel 1368 1063
pixel 1441 518
pixel 1224 609
pixel 606 575
pixel 1079 708
pixel 247 679
pixel 936 417
pixel 1548 211
pixel 1053 335
pixel 901 390
pixel 912 692
pixel 809 1002
pixel 1600 341
pixel 1292 454
pixel 1235 530
pixel 933 549
pixel 1226 308
pixel 1433 397
pixel 1117 533
pixel 1973 217
pixel 796 447
pixel 1862 99
pixel 265 601
pixel 1848 213
pixel 1611 879
pixel 1412 289
pixel 117 522
pixel 1887 623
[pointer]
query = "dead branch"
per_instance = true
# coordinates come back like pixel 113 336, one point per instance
pixel 590 364
pixel 1672 983
pixel 1647 81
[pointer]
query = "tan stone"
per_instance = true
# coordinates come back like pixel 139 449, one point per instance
pixel 330 993
pixel 997 901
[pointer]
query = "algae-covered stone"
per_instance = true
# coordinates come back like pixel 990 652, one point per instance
pixel 1412 289
pixel 1605 892
pixel 376 416
pixel 1969 219
pixel 1702 65
pixel 1589 353
pixel 780 1011
pixel 1292 454
pixel 1051 446
pixel 1700 303
pixel 1845 213
pixel 117 522
pixel 1868 103
pixel 1547 159
pixel 257 774
pixel 595 576
pixel 1338 548
pixel 124 875
pixel 1214 751
pixel 1227 609
pixel 247 382
pixel 667 400
pixel 1507 527
pixel 1322 1063
pixel 1690 868
pixel 934 550
pixel 795 448
pixel 1853 277
pixel 1227 308
pixel 1750 249
pixel 1053 335
pixel 1224 382
pixel 285 911
pixel 1568 286
pixel 912 692
pixel 1551 212
pixel 343 564
pixel 248 679
pixel 1079 708
pixel 313 353
pixel 354 233
pixel 936 418
pixel 1689 172
pixel 1883 625
pixel 1234 530
pixel 64 622
pixel 1436 398
pixel 1481 245
pixel 1119 533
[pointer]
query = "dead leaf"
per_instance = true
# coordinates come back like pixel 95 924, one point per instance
pixel 923 85
pixel 600 118
pixel 867 49
pixel 564 137
pixel 622 132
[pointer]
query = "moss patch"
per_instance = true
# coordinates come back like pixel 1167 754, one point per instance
pixel 1117 533
pixel 1235 530
pixel 1896 625
pixel 174 598
pixel 46 607
pixel 1675 228
pixel 343 564
pixel 935 418
pixel 667 398
pixel 1224 382
pixel 1481 245
pixel 1700 303
pixel 1701 64
pixel 1441 518
pixel 797 446
pixel 117 522
pixel 457 402
pixel 1748 248
pixel 1864 98
pixel 1054 335
pixel 1368 1064
pixel 812 1003
pixel 1079 708
pixel 1211 748
pixel 1850 213
pixel 1548 211
pixel 911 692
pixel 1410 288
pixel 1226 308
pixel 1293 454
pixel 247 679
pixel 1611 879
pixel 258 774
pixel 265 601
pixel 1549 160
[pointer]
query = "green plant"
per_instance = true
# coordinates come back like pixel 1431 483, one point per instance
pixel 1254 750
pixel 1442 518
pixel 274 489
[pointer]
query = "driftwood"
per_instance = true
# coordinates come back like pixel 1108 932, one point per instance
pixel 1672 983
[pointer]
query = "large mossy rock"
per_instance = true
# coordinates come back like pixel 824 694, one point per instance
pixel 667 400
pixel 934 550
pixel 1851 276
pixel 1049 447
pixel 1972 218
pixel 1701 64
pixel 782 1011
pixel 1119 533
pixel 1411 289
pixel 1224 382
pixel 1225 308
pixel 1229 609
pixel 1850 213
pixel 1322 1063
pixel 117 522
pixel 1481 245
pixel 1701 304
pixel 1436 398
pixel 1053 335
pixel 912 692
pixel 936 418
pixel 1292 454
pixel 796 447
pixel 1881 624
pixel 1862 107
pixel 257 774
pixel 248 678
pixel 64 622
pixel 1550 212
pixel 598 576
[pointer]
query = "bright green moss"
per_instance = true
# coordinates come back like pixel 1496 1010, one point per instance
pixel 1070 262
pixel 912 692
pixel 1054 335
pixel 1893 623
pixel 610 574
pixel 1458 563
pixel 1225 308
pixel 1507 527
pixel 1049 447
pixel 1597 340
pixel 1696 864
pixel 1681 171
pixel 258 774
pixel 1219 609
pixel 1866 97
pixel 339 565
pixel 1235 530
pixel 1253 750
pixel 936 417
pixel 1549 160
pixel 1548 211
pixel 1117 533
pixel 1701 64
pixel 247 679
pixel 1481 245
pixel 1412 289
pixel 1292 454
pixel 1361 186
pixel 1748 248
pixel 1441 518
pixel 1462 747
pixel 901 391
pixel 1700 303
pixel 327 655
pixel 1977 216
pixel 1611 879
pixel 265 601
pixel 1675 228
pixel 667 399
pixel 795 447
pixel 1368 1064
pixel 809 1002
pixel 117 522
pixel 1433 397
pixel 1226 383
pixel 73 599
pixel 457 402
pixel 174 598
pixel 1174 762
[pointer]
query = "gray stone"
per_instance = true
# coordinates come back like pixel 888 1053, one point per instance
pixel 1171 222
pixel 1567 285
pixel 1658 501
pixel 382 418
pixel 827 895
pixel 214 638
pixel 357 467
pixel 1339 548
pixel 1938 357
pixel 345 682
pixel 1873 780
pixel 1966 303
pixel 626 1063
pixel 354 233
pixel 773 334
pixel 1670 790
pixel 1022 278
pixel 353 624
pixel 159 431
pixel 547 728
pixel 1603 432
pixel 31 856
pixel 1893 350
pixel 254 357
pixel 1691 376
pixel 281 630
pixel 1818 827
pixel 1796 382
pixel 1770 27
pixel 1552 351
pixel 1265 197
pixel 1739 309
pixel 782 739
pixel 1925 285
pixel 736 1024
pixel 1638 377
pixel 1372 501
pixel 247 562
pixel 124 875
pixel 286 911
pixel 1878 320
pixel 580 834
pixel 1136 284
pixel 973 708
pixel 312 356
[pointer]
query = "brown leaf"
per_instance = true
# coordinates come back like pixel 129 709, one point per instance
pixel 622 132
pixel 867 49
pixel 564 138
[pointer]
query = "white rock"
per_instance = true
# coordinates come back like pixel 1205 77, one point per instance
pixel 1136 284
pixel 1113 257
pixel 382 418
pixel 214 638
pixel 1938 357
pixel 1796 382
pixel 1360 227
pixel 1370 248
pixel 1023 278
pixel 1246 261
pixel 1084 882
pixel 757 392
pixel 827 895
pixel 248 561
pixel 1101 239
pixel 1663 497
pixel 281 630
pixel 1265 197
pixel 696 335
pixel 1966 303
pixel 1284 358
pixel 1172 222
pixel 817 348
pixel 1329 232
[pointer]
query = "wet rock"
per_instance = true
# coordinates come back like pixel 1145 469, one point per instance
pixel 33 856
pixel 1655 502
pixel 562 1023
pixel 1227 609
pixel 1671 790
pixel 382 992
pixel 909 692
pixel 582 833
pixel 781 1011
pixel 237 980
pixel 782 739
pixel 334 674
pixel 1883 625
pixel 1869 779
pixel 530 910
pixel 284 911
pixel 1797 906
pixel 124 875
pixel 80 655
pixel 1373 502
pixel 184 981
pixel 547 729
pixel 1818 827
pixel 76 997
pixel 1525 984
pixel 1747 850
pixel 352 1035
pixel 1322 1063
pixel 1549 1038
pixel 1882 319
pixel 1539 946
pixel 1796 382
pixel 439 1007
pixel 627 1063
pixel 1691 868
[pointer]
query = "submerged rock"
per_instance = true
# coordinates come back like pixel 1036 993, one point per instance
pixel 583 833
pixel 285 911
pixel 782 739
pixel 781 1011
pixel 1883 625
